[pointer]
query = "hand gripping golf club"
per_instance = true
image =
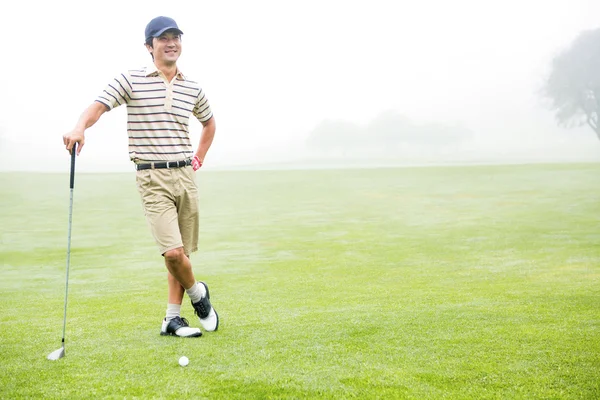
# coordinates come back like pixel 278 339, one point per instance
pixel 60 353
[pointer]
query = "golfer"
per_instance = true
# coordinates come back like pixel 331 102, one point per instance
pixel 160 100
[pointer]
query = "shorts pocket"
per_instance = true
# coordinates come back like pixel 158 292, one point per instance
pixel 191 177
pixel 143 180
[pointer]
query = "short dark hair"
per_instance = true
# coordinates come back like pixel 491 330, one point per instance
pixel 149 43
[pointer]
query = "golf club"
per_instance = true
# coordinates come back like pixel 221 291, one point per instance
pixel 60 353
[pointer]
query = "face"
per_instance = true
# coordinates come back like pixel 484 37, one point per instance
pixel 166 48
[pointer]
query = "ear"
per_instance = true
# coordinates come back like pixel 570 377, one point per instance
pixel 149 48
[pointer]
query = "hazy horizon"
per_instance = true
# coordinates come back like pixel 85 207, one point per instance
pixel 276 74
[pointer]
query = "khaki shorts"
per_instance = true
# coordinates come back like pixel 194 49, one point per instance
pixel 170 202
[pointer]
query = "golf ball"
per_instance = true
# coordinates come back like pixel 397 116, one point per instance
pixel 183 361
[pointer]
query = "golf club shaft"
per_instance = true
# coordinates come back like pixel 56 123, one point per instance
pixel 71 185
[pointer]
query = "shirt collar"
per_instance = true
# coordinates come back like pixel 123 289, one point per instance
pixel 151 70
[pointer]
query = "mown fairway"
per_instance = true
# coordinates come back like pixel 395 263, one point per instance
pixel 440 282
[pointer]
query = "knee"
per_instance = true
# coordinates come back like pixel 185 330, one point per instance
pixel 174 256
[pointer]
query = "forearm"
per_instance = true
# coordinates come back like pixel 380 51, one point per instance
pixel 206 138
pixel 90 116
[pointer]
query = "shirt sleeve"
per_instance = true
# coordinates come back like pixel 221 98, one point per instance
pixel 202 109
pixel 117 92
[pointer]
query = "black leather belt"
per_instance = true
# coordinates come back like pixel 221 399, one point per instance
pixel 161 165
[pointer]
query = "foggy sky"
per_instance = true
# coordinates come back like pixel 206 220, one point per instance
pixel 273 71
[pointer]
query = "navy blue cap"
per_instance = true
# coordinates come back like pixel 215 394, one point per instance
pixel 160 25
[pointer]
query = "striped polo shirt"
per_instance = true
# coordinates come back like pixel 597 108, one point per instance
pixel 158 112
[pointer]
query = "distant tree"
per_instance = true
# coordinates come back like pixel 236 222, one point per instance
pixel 443 135
pixel 335 136
pixel 390 129
pixel 2 141
pixel 393 129
pixel 573 86
pixel 388 133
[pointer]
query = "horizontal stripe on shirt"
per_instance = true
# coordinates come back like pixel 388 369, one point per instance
pixel 158 112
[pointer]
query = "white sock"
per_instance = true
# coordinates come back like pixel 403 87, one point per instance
pixel 173 310
pixel 196 292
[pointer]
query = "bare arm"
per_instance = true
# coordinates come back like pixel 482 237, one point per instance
pixel 89 117
pixel 208 134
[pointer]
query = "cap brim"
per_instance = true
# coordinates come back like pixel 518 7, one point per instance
pixel 168 28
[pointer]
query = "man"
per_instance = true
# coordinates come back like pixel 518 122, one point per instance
pixel 160 100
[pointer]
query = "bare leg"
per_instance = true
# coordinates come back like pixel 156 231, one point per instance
pixel 176 291
pixel 180 267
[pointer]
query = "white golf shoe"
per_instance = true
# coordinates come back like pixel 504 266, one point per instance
pixel 209 319
pixel 179 327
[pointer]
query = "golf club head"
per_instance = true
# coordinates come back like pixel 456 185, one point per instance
pixel 56 354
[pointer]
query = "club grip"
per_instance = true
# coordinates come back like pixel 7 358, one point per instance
pixel 73 152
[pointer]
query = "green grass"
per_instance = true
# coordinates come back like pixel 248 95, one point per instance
pixel 440 282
